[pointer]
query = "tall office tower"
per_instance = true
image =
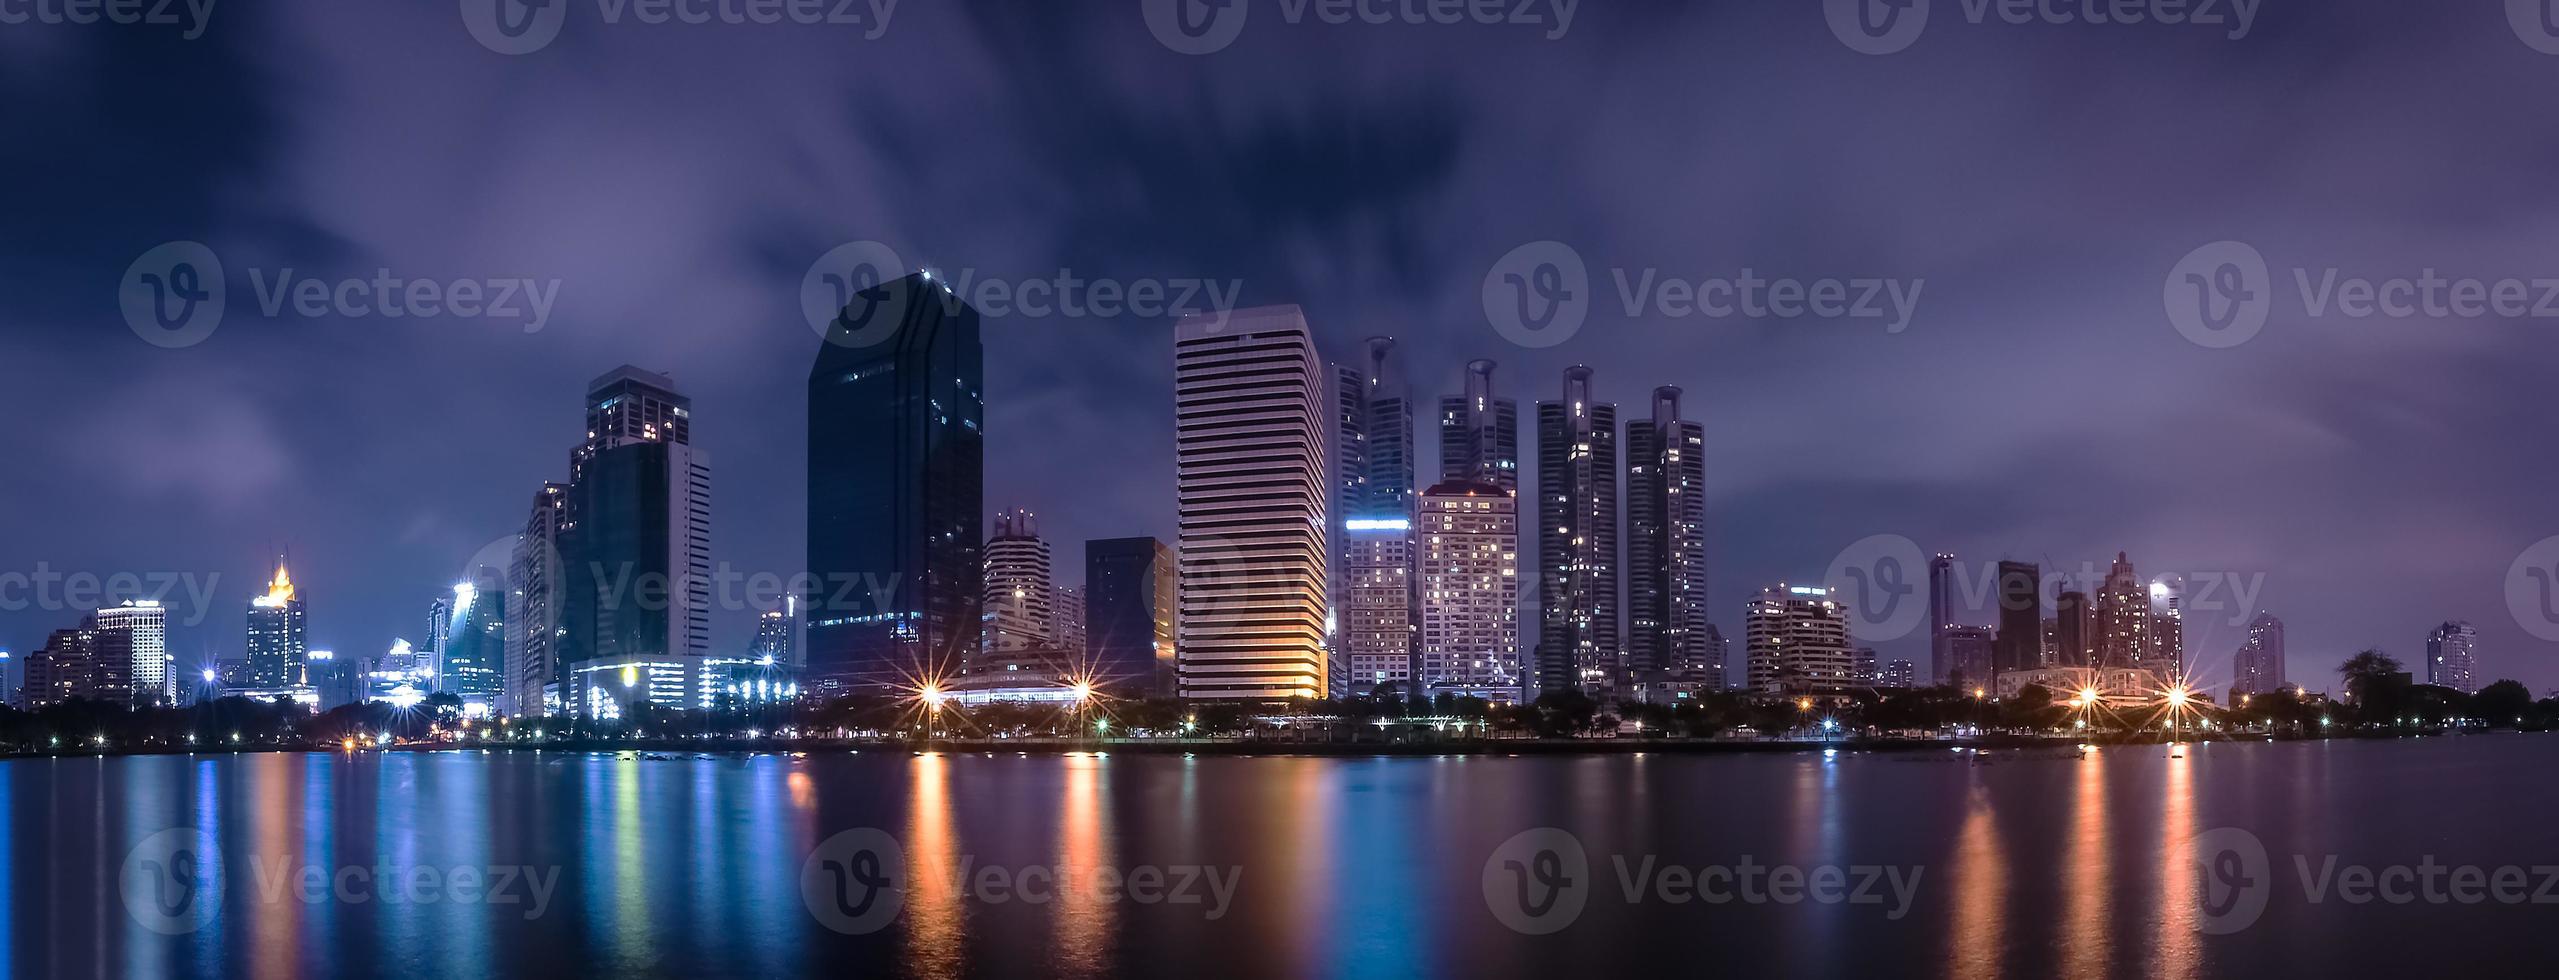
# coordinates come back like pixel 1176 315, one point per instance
pixel 1253 485
pixel 1066 623
pixel 1479 434
pixel 133 644
pixel 1128 613
pixel 1972 653
pixel 1373 599
pixel 65 667
pixel 1900 675
pixel 2452 657
pixel 1578 586
pixel 1941 614
pixel 277 644
pixel 532 608
pixel 777 635
pixel 2072 628
pixel 2167 630
pixel 637 531
pixel 1020 593
pixel 472 664
pixel 2123 618
pixel 439 631
pixel 2021 618
pixel 1469 534
pixel 1665 540
pixel 2258 668
pixel 1797 642
pixel 897 472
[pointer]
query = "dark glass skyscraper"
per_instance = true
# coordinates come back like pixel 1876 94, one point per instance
pixel 277 642
pixel 896 488
pixel 1578 584
pixel 1666 545
pixel 635 544
pixel 1128 613
pixel 2021 618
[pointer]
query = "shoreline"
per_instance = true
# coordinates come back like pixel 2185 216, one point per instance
pixel 672 749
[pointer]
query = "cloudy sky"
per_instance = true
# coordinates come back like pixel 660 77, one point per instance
pixel 2038 188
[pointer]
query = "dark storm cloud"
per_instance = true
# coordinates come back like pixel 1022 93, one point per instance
pixel 678 181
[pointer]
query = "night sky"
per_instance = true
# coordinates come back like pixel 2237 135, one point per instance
pixel 2378 475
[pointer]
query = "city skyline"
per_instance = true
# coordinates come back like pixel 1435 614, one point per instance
pixel 279 430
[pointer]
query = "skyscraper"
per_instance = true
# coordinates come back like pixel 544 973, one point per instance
pixel 1253 486
pixel 2123 618
pixel 534 579
pixel 1373 598
pixel 1797 642
pixel 2167 630
pixel 1666 543
pixel 1900 675
pixel 2258 668
pixel 1578 586
pixel 1941 615
pixel 65 667
pixel 2452 657
pixel 636 534
pixel 896 469
pixel 777 635
pixel 278 643
pixel 472 661
pixel 1020 592
pixel 1128 613
pixel 2074 624
pixel 133 651
pixel 1469 534
pixel 1479 433
pixel 1971 656
pixel 2021 619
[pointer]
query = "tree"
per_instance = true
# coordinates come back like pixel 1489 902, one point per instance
pixel 2503 703
pixel 2376 683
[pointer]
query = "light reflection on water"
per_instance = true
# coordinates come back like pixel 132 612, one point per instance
pixel 1351 867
